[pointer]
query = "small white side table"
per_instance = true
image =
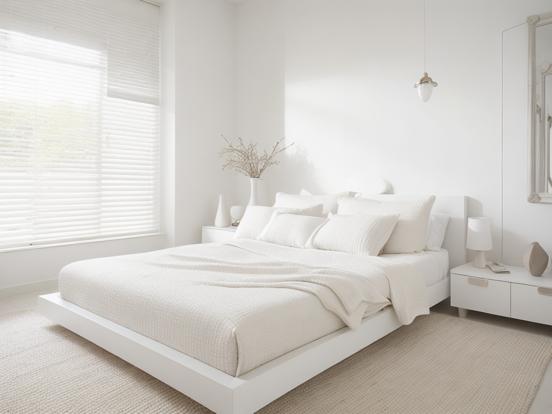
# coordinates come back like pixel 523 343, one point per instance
pixel 212 234
pixel 517 294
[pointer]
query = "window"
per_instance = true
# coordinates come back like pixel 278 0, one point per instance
pixel 79 121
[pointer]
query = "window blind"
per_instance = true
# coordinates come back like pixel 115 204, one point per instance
pixel 79 120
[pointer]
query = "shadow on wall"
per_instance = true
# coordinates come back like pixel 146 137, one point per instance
pixel 294 173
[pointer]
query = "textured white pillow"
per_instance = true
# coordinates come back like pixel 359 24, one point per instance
pixel 341 194
pixel 410 233
pixel 356 234
pixel 290 229
pixel 437 230
pixel 329 201
pixel 256 218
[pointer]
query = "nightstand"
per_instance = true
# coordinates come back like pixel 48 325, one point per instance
pixel 212 234
pixel 517 294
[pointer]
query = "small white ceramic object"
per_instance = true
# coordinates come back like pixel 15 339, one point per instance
pixel 222 219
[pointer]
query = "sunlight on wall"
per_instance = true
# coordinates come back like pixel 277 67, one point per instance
pixel 342 129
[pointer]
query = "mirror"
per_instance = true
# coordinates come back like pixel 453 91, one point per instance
pixel 540 114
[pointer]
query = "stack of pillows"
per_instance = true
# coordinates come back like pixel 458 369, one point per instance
pixel 362 225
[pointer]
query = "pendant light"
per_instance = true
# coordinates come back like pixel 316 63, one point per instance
pixel 425 85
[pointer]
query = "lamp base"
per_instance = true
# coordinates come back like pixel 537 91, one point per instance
pixel 480 260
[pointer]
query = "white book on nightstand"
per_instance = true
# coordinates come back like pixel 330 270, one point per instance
pixel 517 294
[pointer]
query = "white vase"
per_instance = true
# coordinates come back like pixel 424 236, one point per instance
pixel 222 219
pixel 253 191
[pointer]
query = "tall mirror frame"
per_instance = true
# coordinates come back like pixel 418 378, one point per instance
pixel 540 181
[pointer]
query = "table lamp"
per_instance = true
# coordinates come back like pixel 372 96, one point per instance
pixel 479 239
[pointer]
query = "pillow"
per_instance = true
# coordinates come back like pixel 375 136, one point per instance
pixel 256 218
pixel 410 233
pixel 437 230
pixel 304 192
pixel 356 234
pixel 329 201
pixel 290 229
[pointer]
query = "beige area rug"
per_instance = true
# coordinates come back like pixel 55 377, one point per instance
pixel 439 364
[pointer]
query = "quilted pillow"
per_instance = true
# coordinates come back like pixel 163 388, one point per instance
pixel 256 218
pixel 290 229
pixel 410 233
pixel 356 234
pixel 328 201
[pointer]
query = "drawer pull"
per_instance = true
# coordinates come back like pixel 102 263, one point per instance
pixel 478 282
pixel 544 291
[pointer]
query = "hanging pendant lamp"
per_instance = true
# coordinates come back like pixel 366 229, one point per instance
pixel 425 85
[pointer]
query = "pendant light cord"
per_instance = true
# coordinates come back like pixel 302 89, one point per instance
pixel 425 34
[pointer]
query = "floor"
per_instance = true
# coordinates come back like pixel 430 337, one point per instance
pixel 541 405
pixel 543 401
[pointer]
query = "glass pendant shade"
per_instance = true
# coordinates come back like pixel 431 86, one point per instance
pixel 425 87
pixel 424 91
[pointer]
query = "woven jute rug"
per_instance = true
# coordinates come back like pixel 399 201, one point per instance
pixel 439 364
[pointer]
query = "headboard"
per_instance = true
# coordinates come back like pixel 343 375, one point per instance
pixel 456 207
pixel 455 239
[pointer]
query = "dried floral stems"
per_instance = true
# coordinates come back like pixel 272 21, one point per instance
pixel 246 159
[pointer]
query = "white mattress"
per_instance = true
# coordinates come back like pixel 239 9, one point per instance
pixel 434 266
pixel 233 330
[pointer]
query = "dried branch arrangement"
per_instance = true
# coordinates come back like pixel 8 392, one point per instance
pixel 246 158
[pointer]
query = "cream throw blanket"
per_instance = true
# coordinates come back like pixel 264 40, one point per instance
pixel 347 293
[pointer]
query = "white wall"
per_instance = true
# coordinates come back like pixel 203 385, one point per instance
pixel 205 109
pixel 32 265
pixel 260 80
pixel 336 76
pixel 523 222
pixel 168 119
pixel 198 102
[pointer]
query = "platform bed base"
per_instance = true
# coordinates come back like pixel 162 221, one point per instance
pixel 210 387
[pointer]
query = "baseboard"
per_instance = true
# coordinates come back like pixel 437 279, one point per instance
pixel 42 286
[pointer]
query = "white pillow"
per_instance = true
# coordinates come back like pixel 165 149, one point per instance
pixel 304 192
pixel 437 230
pixel 329 201
pixel 356 234
pixel 410 233
pixel 256 218
pixel 290 229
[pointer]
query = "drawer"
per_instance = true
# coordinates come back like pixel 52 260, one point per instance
pixel 532 303
pixel 484 295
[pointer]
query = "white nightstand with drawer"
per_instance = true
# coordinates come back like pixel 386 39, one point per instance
pixel 212 234
pixel 516 294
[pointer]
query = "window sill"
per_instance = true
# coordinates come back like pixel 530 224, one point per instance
pixel 77 242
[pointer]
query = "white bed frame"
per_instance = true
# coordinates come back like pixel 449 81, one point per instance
pixel 224 393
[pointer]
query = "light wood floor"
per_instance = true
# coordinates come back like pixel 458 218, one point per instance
pixel 541 405
pixel 543 401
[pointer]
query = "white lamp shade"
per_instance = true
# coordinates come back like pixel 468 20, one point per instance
pixel 479 234
pixel 424 91
pixel 236 212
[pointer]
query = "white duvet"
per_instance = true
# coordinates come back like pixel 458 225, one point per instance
pixel 240 304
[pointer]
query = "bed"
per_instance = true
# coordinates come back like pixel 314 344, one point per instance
pixel 232 351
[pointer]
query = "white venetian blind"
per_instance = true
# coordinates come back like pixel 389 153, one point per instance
pixel 79 120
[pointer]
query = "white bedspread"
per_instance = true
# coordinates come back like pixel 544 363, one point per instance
pixel 237 305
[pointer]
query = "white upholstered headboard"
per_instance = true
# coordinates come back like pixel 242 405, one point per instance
pixel 455 239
